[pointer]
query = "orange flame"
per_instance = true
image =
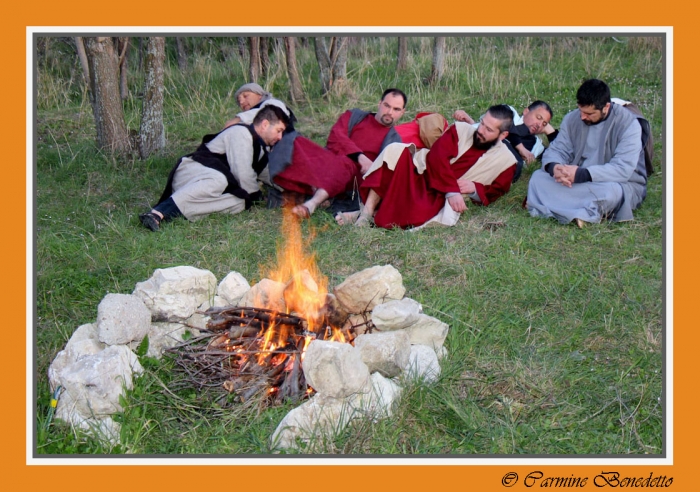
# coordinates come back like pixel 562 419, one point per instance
pixel 305 293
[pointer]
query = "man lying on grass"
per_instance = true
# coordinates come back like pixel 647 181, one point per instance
pixel 222 174
pixel 406 187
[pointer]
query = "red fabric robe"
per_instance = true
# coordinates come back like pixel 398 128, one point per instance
pixel 410 199
pixel 330 168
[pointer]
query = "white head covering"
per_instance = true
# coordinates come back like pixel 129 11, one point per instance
pixel 254 88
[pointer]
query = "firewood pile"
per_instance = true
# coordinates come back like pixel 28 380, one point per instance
pixel 249 352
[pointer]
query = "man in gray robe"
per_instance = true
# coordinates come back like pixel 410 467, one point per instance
pixel 595 168
pixel 222 174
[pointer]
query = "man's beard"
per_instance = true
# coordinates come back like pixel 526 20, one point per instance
pixel 482 145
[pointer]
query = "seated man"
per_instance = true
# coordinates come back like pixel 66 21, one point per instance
pixel 250 98
pixel 595 169
pixel 222 174
pixel 523 137
pixel 355 140
pixel 406 189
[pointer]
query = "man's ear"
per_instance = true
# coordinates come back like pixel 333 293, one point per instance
pixel 264 125
pixel 503 135
pixel 525 111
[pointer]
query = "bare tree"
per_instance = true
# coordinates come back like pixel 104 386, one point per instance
pixel 264 56
pixel 254 68
pixel 332 64
pixel 152 132
pixel 296 92
pixel 402 54
pixel 181 53
pixel 438 68
pixel 80 49
pixel 123 46
pixel 103 65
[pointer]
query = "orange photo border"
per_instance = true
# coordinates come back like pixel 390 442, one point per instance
pixel 174 474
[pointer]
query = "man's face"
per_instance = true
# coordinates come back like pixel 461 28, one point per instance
pixel 270 133
pixel 488 132
pixel 591 116
pixel 247 100
pixel 536 119
pixel 390 110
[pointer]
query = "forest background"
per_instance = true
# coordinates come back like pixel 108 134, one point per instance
pixel 556 333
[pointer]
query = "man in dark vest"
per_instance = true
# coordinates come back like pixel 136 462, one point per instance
pixel 222 174
pixel 355 140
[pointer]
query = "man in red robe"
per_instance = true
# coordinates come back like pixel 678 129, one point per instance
pixel 408 188
pixel 355 140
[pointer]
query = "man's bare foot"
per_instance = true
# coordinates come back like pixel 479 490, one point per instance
pixel 347 218
pixel 364 220
pixel 302 211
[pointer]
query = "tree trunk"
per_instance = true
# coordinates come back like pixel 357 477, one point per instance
pixel 438 60
pixel 296 92
pixel 402 54
pixel 264 56
pixel 123 44
pixel 324 64
pixel 332 65
pixel 254 65
pixel 103 63
pixel 152 132
pixel 339 58
pixel 80 49
pixel 181 53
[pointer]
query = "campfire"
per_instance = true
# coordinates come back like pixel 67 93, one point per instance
pixel 257 350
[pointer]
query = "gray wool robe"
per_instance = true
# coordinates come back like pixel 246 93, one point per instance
pixel 612 153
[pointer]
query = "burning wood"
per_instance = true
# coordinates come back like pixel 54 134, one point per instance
pixel 250 351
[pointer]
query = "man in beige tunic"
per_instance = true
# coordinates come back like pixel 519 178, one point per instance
pixel 222 174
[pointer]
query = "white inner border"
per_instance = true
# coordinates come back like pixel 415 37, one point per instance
pixel 334 460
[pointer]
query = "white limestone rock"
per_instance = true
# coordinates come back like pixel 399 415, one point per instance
pixel 122 318
pixel 386 353
pixel 162 336
pixel 265 294
pixel 312 425
pixel 364 290
pixel 396 314
pixel 428 331
pixel 92 385
pixel 379 403
pixel 335 369
pixel 232 288
pixel 423 364
pixel 173 294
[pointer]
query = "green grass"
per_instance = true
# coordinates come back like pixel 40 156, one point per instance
pixel 555 343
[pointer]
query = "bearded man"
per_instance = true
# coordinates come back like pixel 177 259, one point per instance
pixel 595 169
pixel 301 166
pixel 409 188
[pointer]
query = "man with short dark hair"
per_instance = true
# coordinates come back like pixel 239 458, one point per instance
pixel 222 174
pixel 408 188
pixel 595 169
pixel 355 140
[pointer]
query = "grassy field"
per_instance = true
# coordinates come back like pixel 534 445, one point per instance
pixel 556 334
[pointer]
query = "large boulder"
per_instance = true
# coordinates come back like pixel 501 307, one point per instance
pixel 93 384
pixel 122 318
pixel 334 369
pixel 386 353
pixel 428 331
pixel 396 314
pixel 364 290
pixel 266 294
pixel 232 289
pixel 173 294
